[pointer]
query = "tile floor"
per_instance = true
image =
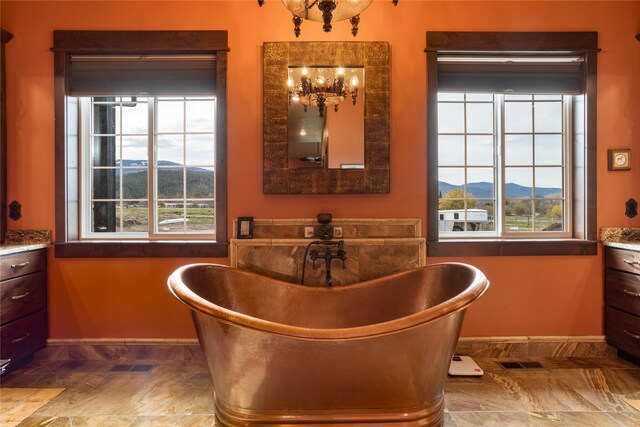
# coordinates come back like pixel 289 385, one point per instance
pixel 577 391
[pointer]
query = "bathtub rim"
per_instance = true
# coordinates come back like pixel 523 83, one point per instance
pixel 461 301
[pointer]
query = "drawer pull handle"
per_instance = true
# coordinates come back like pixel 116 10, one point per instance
pixel 633 294
pixel 632 335
pixel 26 294
pixel 13 341
pixel 631 262
pixel 24 264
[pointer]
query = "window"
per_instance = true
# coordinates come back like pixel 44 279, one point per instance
pixel 503 165
pixel 511 143
pixel 148 167
pixel 140 143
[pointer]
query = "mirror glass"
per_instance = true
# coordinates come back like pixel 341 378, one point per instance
pixel 329 135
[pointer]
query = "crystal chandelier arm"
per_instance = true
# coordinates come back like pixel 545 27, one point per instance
pixel 338 85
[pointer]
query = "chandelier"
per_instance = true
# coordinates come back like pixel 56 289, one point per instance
pixel 321 91
pixel 326 11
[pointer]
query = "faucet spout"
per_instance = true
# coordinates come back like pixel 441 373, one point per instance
pixel 327 277
pixel 328 256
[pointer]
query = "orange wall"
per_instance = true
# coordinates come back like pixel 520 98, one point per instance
pixel 343 126
pixel 109 298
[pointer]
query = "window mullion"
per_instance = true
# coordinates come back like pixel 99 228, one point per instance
pixel 501 200
pixel 121 171
pixel 567 161
pixel 86 167
pixel 532 202
pixel 184 165
pixel 151 168
pixel 466 162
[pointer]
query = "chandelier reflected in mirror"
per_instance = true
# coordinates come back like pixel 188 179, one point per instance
pixel 326 11
pixel 315 86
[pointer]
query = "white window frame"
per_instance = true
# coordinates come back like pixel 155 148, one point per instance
pixel 85 133
pixel 499 167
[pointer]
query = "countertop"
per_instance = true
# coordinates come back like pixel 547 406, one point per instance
pixel 632 246
pixel 621 237
pixel 18 248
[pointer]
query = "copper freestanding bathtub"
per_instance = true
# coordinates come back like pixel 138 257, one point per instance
pixel 374 352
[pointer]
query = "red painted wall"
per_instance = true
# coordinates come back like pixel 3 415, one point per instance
pixel 110 298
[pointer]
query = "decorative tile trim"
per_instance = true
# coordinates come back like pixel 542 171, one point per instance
pixel 535 346
pixel 120 349
pixel 352 227
pixel 189 349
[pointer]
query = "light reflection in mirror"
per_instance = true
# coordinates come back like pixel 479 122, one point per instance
pixel 336 139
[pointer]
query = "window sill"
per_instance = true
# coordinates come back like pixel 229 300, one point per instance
pixel 511 247
pixel 142 249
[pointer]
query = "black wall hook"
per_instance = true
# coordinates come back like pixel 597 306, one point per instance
pixel 632 208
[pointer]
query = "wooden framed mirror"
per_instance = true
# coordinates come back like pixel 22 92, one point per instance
pixel 278 176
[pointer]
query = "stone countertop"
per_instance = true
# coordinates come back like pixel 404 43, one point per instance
pixel 18 248
pixel 633 246
pixel 621 237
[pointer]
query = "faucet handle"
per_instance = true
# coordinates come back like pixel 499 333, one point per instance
pixel 342 255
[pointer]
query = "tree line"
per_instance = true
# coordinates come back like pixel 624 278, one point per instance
pixel 200 184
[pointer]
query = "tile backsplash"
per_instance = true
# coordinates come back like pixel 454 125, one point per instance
pixel 375 248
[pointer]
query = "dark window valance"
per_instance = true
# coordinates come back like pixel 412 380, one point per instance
pixel 167 75
pixel 476 73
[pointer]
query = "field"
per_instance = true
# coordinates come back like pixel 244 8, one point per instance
pixel 525 223
pixel 136 219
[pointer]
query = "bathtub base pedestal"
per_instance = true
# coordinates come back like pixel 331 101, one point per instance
pixel 425 416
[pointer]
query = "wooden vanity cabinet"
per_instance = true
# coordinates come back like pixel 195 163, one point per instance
pixel 622 301
pixel 23 306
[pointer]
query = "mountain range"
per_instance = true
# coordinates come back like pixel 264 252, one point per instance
pixel 145 163
pixel 200 182
pixel 484 190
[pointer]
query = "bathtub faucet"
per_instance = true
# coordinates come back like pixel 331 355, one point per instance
pixel 332 250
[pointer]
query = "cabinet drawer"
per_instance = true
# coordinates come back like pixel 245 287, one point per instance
pixel 22 295
pixel 622 291
pixel 623 331
pixel 622 259
pixel 24 336
pixel 16 265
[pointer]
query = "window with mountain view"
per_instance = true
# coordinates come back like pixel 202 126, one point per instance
pixel 141 143
pixel 149 167
pixel 502 165
pixel 511 143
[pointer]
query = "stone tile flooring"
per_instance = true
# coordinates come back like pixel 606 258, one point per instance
pixel 578 391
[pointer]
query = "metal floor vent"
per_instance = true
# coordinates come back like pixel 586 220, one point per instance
pixel 131 368
pixel 521 365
